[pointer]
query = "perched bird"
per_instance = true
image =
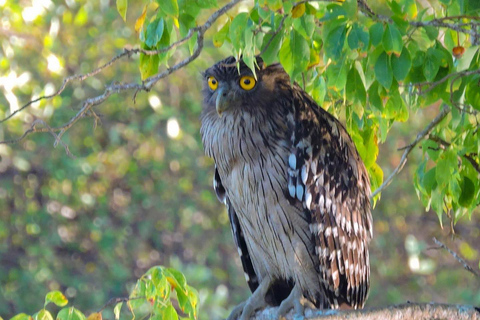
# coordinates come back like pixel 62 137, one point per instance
pixel 296 190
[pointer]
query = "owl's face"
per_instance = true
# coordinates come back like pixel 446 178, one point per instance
pixel 228 89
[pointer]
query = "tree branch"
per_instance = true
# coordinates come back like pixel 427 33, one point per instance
pixel 420 136
pixel 407 311
pixel 116 88
pixel 455 255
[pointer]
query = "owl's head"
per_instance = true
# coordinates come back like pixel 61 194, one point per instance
pixel 228 88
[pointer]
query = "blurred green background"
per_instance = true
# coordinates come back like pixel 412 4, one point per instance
pixel 138 192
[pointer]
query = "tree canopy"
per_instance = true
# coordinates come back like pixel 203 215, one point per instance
pixel 117 91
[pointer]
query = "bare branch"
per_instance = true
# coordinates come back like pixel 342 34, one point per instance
pixel 407 311
pixel 420 136
pixel 455 255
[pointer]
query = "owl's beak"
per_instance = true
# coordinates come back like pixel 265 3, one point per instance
pixel 224 100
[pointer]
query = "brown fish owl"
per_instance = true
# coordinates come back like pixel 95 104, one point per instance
pixel 296 190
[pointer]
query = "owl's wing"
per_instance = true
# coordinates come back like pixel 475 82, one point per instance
pixel 327 175
pixel 237 233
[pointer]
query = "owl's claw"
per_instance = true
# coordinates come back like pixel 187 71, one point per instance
pixel 295 301
pixel 246 309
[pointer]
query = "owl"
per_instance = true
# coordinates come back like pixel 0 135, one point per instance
pixel 296 190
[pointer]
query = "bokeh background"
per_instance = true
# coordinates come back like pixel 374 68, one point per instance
pixel 138 191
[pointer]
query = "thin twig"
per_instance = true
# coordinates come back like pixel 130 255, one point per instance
pixel 420 136
pixel 459 259
pixel 432 85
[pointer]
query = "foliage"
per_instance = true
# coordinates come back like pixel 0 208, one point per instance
pixel 137 192
pixel 379 69
pixel 152 297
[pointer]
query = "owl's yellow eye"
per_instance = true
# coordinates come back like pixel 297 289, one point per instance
pixel 247 82
pixel 212 83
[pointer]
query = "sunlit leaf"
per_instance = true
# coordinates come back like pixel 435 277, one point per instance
pixel 141 19
pixel 170 313
pixel 219 37
pixel 122 8
pixel 95 316
pixel 43 315
pixel 70 314
pixel 298 10
pixel 57 298
pixel 117 309
pixel 21 316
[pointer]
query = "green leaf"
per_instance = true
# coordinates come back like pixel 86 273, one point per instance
pixel 334 42
pixel 358 38
pixel 298 10
pixel 376 179
pixel 392 40
pixel 383 71
pixel 319 90
pixel 57 298
pixel 472 94
pixel 294 54
pixel 401 65
pixel 154 32
pixel 180 280
pixel 446 165
pixel 350 7
pixel 21 316
pixel 170 313
pixel 70 314
pixel 122 8
pixel 376 33
pixel 337 74
pixel 43 315
pixel 305 25
pixel 237 31
pixel 432 32
pixel 148 65
pixel 169 7
pixel 467 193
pixel 431 65
pixel 355 88
pixel 186 22
pixel 269 55
pixel 219 37
pixel 117 309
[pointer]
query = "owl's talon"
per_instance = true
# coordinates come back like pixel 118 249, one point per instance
pixel 295 301
pixel 246 309
pixel 237 311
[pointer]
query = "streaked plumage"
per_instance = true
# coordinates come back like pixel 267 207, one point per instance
pixel 296 190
